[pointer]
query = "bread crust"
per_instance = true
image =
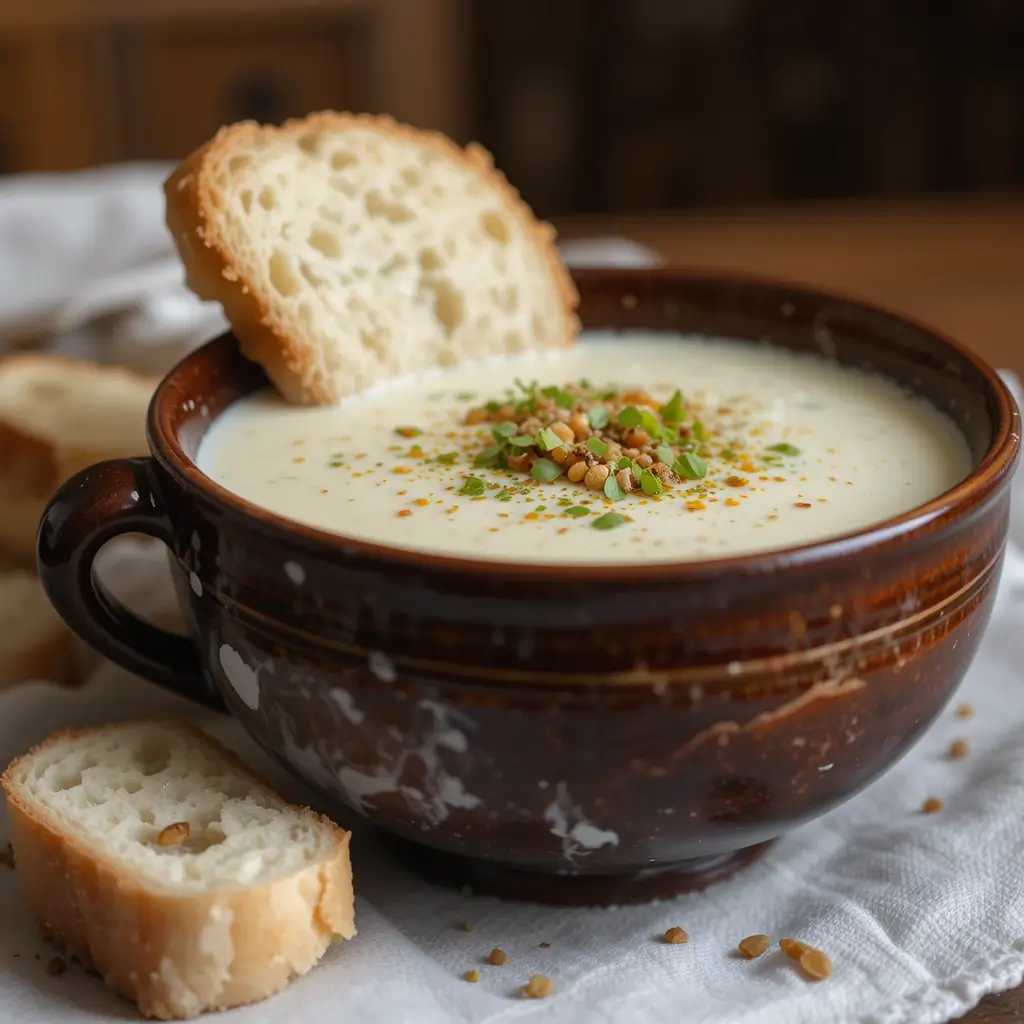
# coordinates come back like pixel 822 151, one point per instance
pixel 211 272
pixel 32 464
pixel 52 657
pixel 176 955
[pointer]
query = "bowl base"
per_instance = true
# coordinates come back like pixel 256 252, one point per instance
pixel 514 883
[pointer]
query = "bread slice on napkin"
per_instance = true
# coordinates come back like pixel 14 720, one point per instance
pixel 58 416
pixel 153 855
pixel 347 249
pixel 34 642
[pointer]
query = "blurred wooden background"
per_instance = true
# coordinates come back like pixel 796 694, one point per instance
pixel 591 106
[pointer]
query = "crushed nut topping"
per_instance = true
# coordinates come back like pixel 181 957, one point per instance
pixel 175 834
pixel 793 948
pixel 754 945
pixel 959 749
pixel 815 964
pixel 676 935
pixel 540 986
pixel 498 957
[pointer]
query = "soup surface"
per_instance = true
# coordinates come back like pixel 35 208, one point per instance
pixel 684 448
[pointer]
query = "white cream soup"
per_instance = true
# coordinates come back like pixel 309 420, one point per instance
pixel 749 448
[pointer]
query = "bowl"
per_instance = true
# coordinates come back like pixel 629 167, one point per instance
pixel 568 734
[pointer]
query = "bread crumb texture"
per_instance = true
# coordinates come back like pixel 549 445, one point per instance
pixel 249 894
pixel 348 249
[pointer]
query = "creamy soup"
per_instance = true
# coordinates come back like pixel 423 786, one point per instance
pixel 653 449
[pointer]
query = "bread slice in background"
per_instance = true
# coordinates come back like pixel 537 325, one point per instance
pixel 347 249
pixel 58 416
pixel 253 896
pixel 34 642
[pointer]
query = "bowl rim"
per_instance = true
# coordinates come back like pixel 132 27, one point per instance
pixel 996 463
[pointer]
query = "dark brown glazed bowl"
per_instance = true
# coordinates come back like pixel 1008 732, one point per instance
pixel 593 734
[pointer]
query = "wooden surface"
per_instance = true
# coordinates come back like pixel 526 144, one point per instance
pixel 955 264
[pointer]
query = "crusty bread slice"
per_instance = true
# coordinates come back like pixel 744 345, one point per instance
pixel 58 416
pixel 34 642
pixel 347 249
pixel 153 855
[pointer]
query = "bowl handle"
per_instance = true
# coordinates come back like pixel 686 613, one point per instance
pixel 96 505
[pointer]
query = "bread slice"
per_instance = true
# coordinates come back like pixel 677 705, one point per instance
pixel 58 416
pixel 153 855
pixel 34 642
pixel 347 249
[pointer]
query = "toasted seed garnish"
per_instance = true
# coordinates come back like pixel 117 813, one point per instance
pixel 815 964
pixel 56 967
pixel 959 749
pixel 965 711
pixel 676 935
pixel 540 986
pixel 498 957
pixel 754 945
pixel 472 975
pixel 174 835
pixel 793 948
pixel 932 805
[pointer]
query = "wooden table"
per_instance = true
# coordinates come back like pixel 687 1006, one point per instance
pixel 955 264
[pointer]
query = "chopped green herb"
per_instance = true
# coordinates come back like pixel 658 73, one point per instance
pixel 527 389
pixel 690 466
pixel 650 484
pixel 624 463
pixel 631 416
pixel 652 426
pixel 548 440
pixel 585 384
pixel 447 458
pixel 699 431
pixel 612 490
pixel 504 430
pixel 577 510
pixel 522 441
pixel 465 396
pixel 541 508
pixel 729 455
pixel 492 406
pixel 598 417
pixel 544 471
pixel 785 449
pixel 335 463
pixel 597 446
pixel 493 456
pixel 609 521
pixel 672 411
pixel 562 398
pixel 408 431
pixel 504 495
pixel 473 487
pixel 665 454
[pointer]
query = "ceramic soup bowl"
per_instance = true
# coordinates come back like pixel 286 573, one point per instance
pixel 573 734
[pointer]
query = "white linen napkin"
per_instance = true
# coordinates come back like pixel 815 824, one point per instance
pixel 922 915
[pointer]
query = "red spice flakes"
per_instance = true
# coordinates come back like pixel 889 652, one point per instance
pixel 494 529
pixel 932 805
pixel 323 490
pixel 732 503
pixel 451 511
pixel 532 515
pixel 402 469
pixel 564 529
pixel 402 512
pixel 696 506
pixel 422 502
pixel 965 711
pixel 803 504
pixel 959 749
pixel 736 481
pixel 540 986
pixel 779 479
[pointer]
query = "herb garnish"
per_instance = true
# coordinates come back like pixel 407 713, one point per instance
pixel 612 490
pixel 447 458
pixel 630 416
pixel 609 521
pixel 690 466
pixel 785 449
pixel 548 440
pixel 577 510
pixel 650 484
pixel 597 446
pixel 544 471
pixel 504 430
pixel 408 431
pixel 672 411
pixel 490 457
pixel 598 417
pixel 473 487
